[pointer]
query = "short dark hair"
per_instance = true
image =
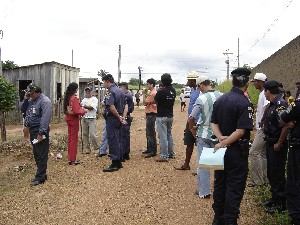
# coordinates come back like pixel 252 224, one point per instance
pixel 288 93
pixel 239 81
pixel 124 84
pixel 206 82
pixel 151 81
pixel 109 78
pixel 166 79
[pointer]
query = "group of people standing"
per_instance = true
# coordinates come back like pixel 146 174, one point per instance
pixel 159 116
pixel 214 120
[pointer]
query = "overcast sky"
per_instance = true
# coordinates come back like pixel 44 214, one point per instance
pixel 159 35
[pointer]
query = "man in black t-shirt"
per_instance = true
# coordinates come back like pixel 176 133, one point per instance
pixel 165 99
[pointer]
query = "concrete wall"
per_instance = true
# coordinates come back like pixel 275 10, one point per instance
pixel 283 66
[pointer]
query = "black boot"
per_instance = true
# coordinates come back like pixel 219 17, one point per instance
pixel 295 222
pixel 115 166
pixel 218 221
pixel 278 207
pixel 268 203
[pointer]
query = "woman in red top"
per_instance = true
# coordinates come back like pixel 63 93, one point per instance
pixel 72 121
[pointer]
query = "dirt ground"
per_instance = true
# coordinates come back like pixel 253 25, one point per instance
pixel 143 192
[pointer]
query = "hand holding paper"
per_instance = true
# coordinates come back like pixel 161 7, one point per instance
pixel 210 159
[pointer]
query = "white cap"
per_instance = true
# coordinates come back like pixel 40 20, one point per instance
pixel 259 76
pixel 192 75
pixel 201 79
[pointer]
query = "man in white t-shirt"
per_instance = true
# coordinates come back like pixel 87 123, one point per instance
pixel 258 161
pixel 182 101
pixel 89 128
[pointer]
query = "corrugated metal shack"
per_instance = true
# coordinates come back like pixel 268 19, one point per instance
pixel 52 77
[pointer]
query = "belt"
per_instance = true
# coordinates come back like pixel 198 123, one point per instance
pixel 90 118
pixel 151 113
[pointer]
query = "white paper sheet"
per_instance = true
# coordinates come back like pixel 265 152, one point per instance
pixel 212 161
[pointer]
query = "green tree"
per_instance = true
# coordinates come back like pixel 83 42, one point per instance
pixel 102 73
pixel 7 103
pixel 9 65
pixel 134 82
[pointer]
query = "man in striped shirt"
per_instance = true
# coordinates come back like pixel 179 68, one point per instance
pixel 203 109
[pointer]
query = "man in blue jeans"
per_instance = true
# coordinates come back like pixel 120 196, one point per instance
pixel 203 109
pixel 104 142
pixel 165 99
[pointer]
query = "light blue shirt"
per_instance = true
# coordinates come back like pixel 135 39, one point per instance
pixel 193 97
pixel 203 109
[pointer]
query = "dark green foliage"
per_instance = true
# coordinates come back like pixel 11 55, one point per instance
pixel 102 73
pixel 9 65
pixel 7 95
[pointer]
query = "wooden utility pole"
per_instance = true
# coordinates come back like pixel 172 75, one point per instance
pixel 238 56
pixel 1 36
pixel 227 62
pixel 119 65
pixel 140 77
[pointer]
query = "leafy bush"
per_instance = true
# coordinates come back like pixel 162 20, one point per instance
pixel 226 86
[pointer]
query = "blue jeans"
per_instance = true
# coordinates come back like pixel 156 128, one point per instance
pixel 164 127
pixel 203 174
pixel 104 142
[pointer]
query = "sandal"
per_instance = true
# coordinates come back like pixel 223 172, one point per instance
pixel 76 162
pixel 182 168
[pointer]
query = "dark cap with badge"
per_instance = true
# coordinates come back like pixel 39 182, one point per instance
pixel 88 89
pixel 272 86
pixel 31 88
pixel 241 72
pixel 240 76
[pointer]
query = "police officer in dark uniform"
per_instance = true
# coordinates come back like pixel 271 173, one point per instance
pixel 129 107
pixel 291 118
pixel 114 107
pixel 38 109
pixel 276 147
pixel 231 122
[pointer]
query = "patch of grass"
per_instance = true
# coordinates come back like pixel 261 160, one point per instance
pixel 262 194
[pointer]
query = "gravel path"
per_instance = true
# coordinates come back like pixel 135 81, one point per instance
pixel 143 192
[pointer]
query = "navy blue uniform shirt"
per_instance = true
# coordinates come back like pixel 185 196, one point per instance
pixel 114 96
pixel 38 113
pixel 232 111
pixel 272 126
pixel 293 114
pixel 129 102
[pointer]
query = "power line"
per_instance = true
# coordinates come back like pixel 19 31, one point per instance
pixel 268 29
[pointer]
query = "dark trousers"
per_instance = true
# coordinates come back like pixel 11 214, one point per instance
pixel 230 184
pixel 126 137
pixel 150 133
pixel 293 184
pixel 113 129
pixel 276 161
pixel 40 153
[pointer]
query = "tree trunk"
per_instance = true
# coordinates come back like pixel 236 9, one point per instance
pixel 3 128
